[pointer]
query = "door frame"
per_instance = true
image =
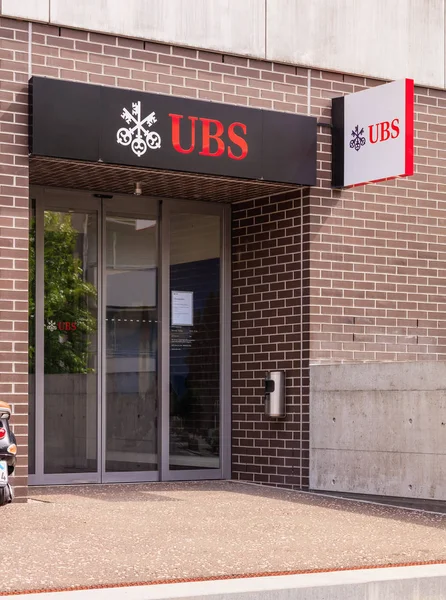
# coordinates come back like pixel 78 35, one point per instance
pixel 103 203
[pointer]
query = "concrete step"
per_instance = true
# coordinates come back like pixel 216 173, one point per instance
pixel 427 582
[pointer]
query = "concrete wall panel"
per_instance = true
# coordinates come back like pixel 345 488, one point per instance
pixel 379 473
pixel 379 429
pixel 379 376
pixel 236 26
pixel 386 39
pixel 408 421
pixel 38 10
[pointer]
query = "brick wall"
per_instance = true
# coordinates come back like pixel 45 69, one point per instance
pixel 270 332
pixel 370 268
pixel 14 232
pixel 378 254
pixel 102 59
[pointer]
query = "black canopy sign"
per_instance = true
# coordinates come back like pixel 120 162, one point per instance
pixel 96 123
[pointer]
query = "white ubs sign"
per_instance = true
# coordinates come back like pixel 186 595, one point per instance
pixel 373 134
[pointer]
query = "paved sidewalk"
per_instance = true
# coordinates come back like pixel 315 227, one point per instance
pixel 84 536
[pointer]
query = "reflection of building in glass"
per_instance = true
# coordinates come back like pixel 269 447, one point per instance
pixel 195 368
pixel 131 327
pixel 131 315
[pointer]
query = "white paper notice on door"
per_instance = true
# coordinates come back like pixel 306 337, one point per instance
pixel 182 308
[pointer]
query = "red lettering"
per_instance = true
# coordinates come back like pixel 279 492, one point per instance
pixel 208 136
pixel 212 129
pixel 176 133
pixel 385 133
pixel 60 326
pixel 373 141
pixel 238 140
pixel 395 128
pixel 73 326
pixel 381 132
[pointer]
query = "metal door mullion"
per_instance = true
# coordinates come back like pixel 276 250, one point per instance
pixel 102 344
pixel 64 479
pixel 164 341
pixel 225 345
pixel 39 364
pixel 131 476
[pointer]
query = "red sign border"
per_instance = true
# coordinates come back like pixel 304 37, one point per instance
pixel 410 117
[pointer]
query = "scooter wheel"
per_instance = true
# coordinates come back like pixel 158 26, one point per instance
pixel 6 495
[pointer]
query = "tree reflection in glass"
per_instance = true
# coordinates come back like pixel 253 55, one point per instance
pixel 70 342
pixel 70 300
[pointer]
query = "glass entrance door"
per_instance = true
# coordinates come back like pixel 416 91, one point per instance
pixel 131 343
pixel 129 339
pixel 65 328
pixel 196 331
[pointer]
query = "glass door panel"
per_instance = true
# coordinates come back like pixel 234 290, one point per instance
pixel 194 428
pixel 131 344
pixel 70 342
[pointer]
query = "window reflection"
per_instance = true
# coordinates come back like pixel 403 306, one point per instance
pixel 70 342
pixel 131 336
pixel 195 349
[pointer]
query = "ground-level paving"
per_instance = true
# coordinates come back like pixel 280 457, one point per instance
pixel 91 535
